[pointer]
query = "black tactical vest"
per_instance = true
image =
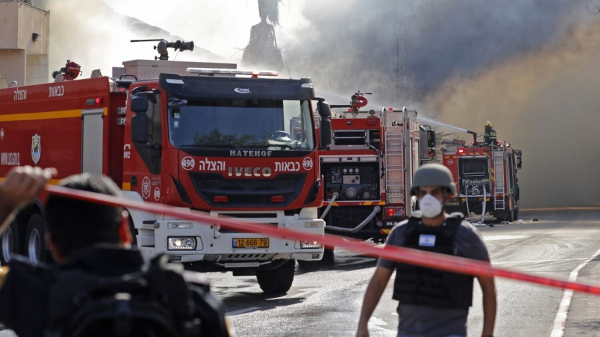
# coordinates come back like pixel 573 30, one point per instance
pixel 431 287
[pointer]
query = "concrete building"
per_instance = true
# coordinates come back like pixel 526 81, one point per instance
pixel 24 37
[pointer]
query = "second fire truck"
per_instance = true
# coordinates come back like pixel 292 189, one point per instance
pixel 368 169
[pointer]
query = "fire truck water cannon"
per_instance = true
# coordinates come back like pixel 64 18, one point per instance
pixel 69 72
pixel 357 101
pixel 162 46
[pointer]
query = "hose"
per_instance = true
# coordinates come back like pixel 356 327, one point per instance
pixel 359 227
pixel 335 195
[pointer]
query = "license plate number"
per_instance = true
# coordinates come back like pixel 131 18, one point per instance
pixel 250 243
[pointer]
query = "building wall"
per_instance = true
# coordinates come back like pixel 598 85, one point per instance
pixel 21 58
pixel 3 83
pixel 37 69
pixel 12 65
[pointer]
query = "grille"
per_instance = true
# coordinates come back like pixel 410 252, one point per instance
pixel 248 193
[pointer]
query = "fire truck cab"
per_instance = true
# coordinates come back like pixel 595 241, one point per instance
pixel 211 140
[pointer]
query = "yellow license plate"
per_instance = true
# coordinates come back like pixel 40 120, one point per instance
pixel 250 243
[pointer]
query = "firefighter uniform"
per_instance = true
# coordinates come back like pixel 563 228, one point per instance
pixel 490 136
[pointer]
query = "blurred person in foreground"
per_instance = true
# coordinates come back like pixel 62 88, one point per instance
pixel 432 302
pixel 99 285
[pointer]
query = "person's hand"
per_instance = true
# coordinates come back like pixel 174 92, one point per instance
pixel 22 184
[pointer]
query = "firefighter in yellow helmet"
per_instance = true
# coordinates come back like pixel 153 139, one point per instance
pixel 490 136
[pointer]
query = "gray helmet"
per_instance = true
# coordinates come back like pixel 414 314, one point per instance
pixel 433 175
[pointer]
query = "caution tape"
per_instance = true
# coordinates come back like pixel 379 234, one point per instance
pixel 406 255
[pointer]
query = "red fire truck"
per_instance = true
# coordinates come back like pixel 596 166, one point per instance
pixel 218 141
pixel 485 176
pixel 368 169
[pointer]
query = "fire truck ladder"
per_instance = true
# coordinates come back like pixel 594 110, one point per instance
pixel 394 156
pixel 499 201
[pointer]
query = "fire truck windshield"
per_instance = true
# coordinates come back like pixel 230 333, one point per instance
pixel 234 123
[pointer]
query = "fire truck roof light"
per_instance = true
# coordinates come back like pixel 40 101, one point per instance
pixel 391 109
pixel 211 71
pixel 461 151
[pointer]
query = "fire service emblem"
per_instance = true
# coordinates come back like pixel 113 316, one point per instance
pixel 307 163
pixel 146 188
pixel 36 148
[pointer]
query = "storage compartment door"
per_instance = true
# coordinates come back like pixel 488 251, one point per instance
pixel 92 140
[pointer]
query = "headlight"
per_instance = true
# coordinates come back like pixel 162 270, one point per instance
pixel 181 243
pixel 310 244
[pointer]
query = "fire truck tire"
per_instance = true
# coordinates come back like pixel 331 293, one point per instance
pixel 35 240
pixel 133 231
pixel 516 214
pixel 277 281
pixel 328 258
pixel 10 243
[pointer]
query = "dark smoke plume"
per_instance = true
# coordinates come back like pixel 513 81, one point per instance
pixel 405 49
pixel 529 66
pixel 547 104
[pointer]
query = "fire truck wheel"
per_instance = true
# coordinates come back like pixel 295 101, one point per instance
pixel 133 231
pixel 10 243
pixel 277 281
pixel 516 214
pixel 35 242
pixel 328 258
pixel 510 217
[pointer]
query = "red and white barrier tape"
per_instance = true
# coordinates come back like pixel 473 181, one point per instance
pixel 410 256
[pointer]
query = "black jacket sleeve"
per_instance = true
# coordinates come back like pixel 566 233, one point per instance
pixel 23 297
pixel 211 311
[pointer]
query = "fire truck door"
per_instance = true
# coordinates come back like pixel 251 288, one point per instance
pixel 92 140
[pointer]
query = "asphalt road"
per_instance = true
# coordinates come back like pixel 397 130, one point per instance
pixel 327 302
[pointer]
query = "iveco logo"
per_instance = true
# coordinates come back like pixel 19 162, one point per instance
pixel 249 171
pixel 242 90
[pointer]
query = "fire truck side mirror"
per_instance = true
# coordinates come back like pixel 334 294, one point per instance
pixel 430 138
pixel 325 133
pixel 139 104
pixel 324 109
pixel 139 125
pixel 519 163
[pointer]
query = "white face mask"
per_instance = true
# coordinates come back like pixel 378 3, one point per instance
pixel 430 206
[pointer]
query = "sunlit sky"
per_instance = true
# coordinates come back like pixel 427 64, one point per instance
pixel 217 25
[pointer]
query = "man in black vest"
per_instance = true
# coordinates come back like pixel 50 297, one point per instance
pixel 432 302
pixel 86 239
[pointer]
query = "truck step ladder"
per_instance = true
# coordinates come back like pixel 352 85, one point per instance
pixel 499 200
pixel 394 156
